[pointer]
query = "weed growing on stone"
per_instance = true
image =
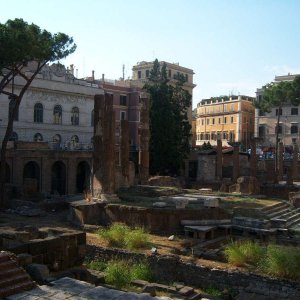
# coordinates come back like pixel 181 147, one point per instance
pixel 212 291
pixel 96 265
pixel 121 236
pixel 120 273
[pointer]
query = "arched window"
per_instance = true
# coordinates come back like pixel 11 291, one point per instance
pixel 57 139
pixel 74 139
pixel 57 114
pixel 75 116
pixel 12 104
pixel 92 118
pixel 13 137
pixel 38 113
pixel 38 137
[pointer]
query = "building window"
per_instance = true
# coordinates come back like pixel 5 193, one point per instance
pixel 12 104
pixel 75 116
pixel 123 100
pixel 294 140
pixel 74 139
pixel 207 136
pixel 57 114
pixel 202 121
pixel 201 136
pixel 225 120
pixel 213 136
pixel 294 128
pixel 213 121
pixel 225 135
pixel 207 121
pixel 169 73
pixel 261 113
pixel 147 73
pixel 231 120
pixel 92 118
pixel 122 115
pixel 56 139
pixel 232 107
pixel 262 131
pixel 279 110
pixel 231 136
pixel 14 137
pixel 279 128
pixel 38 137
pixel 186 77
pixel 219 121
pixel 294 111
pixel 139 74
pixel 38 113
pixel 225 107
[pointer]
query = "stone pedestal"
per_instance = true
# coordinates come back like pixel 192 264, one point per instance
pixel 295 161
pixel 144 142
pixel 219 163
pixel 236 163
pixel 280 161
pixel 104 146
pixel 124 149
pixel 253 159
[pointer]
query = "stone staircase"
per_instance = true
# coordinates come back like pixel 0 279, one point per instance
pixel 13 279
pixel 282 215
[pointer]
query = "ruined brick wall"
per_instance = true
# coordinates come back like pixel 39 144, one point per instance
pixel 172 269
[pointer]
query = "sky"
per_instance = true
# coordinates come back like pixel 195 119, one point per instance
pixel 233 47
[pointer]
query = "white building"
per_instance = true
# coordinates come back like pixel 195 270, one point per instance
pixel 265 123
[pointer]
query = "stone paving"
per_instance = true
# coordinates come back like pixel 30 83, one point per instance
pixel 72 289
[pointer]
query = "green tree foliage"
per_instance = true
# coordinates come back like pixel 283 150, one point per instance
pixel 169 126
pixel 21 43
pixel 277 95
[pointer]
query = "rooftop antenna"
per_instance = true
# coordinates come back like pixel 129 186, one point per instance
pixel 123 71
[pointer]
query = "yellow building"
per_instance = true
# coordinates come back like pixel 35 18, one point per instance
pixel 141 72
pixel 230 119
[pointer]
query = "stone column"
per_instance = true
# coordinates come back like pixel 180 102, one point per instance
pixel 104 149
pixel 236 162
pixel 253 159
pixel 295 161
pixel 219 163
pixel 125 152
pixel 144 142
pixel 280 161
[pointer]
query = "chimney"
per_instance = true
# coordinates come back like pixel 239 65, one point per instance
pixel 93 75
pixel 103 78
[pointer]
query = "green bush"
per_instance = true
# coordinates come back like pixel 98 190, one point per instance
pixel 282 261
pixel 96 265
pixel 136 239
pixel 121 236
pixel 244 253
pixel 275 260
pixel 120 273
pixel 117 273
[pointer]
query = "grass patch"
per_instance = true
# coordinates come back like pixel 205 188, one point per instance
pixel 120 273
pixel 244 253
pixel 275 260
pixel 212 291
pixel 121 236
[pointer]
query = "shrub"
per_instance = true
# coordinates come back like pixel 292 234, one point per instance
pixel 121 236
pixel 244 253
pixel 114 235
pixel 117 273
pixel 141 271
pixel 136 239
pixel 282 261
pixel 120 273
pixel 96 265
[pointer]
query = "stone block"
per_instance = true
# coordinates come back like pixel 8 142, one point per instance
pixel 38 272
pixel 24 259
pixel 211 202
